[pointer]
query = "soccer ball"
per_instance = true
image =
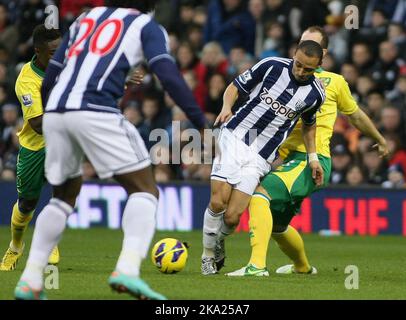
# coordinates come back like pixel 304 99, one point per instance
pixel 169 255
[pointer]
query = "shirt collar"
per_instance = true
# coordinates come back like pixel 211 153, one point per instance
pixel 37 70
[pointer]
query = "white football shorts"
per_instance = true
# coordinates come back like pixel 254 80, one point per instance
pixel 111 143
pixel 237 163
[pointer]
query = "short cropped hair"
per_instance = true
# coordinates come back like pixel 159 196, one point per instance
pixel 42 35
pixel 311 49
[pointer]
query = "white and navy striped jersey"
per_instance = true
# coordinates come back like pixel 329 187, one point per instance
pixel 99 50
pixel 276 101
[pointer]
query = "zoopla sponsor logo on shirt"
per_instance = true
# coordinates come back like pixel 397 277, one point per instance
pixel 279 109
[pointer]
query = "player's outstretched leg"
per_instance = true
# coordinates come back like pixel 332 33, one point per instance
pixel 138 226
pixel 49 227
pixel 291 243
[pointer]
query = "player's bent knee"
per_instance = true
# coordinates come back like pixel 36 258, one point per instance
pixel 26 206
pixel 217 205
pixel 279 229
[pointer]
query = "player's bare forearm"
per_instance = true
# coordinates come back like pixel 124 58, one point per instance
pixel 309 137
pixel 364 124
pixel 36 124
pixel 229 98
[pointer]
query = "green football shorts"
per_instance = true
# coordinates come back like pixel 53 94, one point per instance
pixel 30 173
pixel 290 183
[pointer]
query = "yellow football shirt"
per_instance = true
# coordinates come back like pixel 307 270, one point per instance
pixel 338 98
pixel 28 91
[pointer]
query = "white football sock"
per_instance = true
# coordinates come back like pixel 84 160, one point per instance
pixel 139 227
pixel 211 226
pixel 49 227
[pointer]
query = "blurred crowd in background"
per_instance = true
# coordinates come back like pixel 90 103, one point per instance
pixel 213 42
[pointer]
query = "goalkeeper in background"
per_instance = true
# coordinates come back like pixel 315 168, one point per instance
pixel 281 192
pixel 31 156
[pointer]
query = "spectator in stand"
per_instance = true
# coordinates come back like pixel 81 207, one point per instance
pixel 8 141
pixel 229 23
pixel 212 61
pixel 362 58
pixel 279 11
pixel 398 95
pixel 374 30
pixel 387 68
pixel 184 20
pixel 237 55
pixel 374 104
pixel 341 159
pixel 396 178
pixel 214 98
pixel 133 114
pixel 274 42
pixel 195 37
pixel 257 9
pixel 350 74
pixel 155 114
pixel 186 57
pixel 69 10
pixel 364 85
pixel 391 122
pixel 355 176
pixel 397 35
pixel 374 166
pixel 393 10
pixel 8 32
pixel 397 154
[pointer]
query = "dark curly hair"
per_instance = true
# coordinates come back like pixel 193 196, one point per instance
pixel 142 5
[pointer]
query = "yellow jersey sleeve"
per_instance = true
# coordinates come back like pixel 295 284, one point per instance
pixel 345 101
pixel 29 95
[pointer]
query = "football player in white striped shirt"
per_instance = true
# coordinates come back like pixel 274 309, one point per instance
pixel 280 91
pixel 86 77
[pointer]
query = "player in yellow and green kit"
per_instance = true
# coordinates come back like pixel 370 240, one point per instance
pixel 281 192
pixel 31 156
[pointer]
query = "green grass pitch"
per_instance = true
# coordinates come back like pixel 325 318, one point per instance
pixel 88 257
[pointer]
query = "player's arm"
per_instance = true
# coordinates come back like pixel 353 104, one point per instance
pixel 309 139
pixel 36 124
pixel 364 124
pixel 28 94
pixel 243 85
pixel 229 98
pixel 162 64
pixel 347 105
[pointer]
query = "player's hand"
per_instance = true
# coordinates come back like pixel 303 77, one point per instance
pixel 136 77
pixel 317 173
pixel 224 116
pixel 382 148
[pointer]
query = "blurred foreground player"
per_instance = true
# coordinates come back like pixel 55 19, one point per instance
pixel 82 119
